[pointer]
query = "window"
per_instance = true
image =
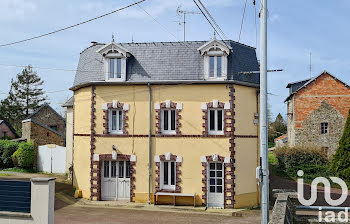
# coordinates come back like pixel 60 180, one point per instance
pixel 324 128
pixel 54 127
pixel 116 121
pixel 216 177
pixel 115 68
pixel 215 121
pixel 215 67
pixel 168 175
pixel 168 121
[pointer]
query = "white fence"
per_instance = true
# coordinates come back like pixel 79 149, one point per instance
pixel 51 159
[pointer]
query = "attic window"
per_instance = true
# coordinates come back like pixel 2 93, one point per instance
pixel 114 57
pixel 215 59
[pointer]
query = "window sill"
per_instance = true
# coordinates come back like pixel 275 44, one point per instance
pixel 115 80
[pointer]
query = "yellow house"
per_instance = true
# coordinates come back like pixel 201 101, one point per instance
pixel 158 120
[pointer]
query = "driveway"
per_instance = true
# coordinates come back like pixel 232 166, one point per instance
pixel 73 215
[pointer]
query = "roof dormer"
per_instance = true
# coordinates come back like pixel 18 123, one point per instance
pixel 215 54
pixel 114 59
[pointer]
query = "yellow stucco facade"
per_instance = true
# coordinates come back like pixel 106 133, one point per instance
pixel 190 146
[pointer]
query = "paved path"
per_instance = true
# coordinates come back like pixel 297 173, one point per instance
pixel 73 215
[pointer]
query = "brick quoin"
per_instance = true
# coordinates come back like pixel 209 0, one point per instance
pixel 324 88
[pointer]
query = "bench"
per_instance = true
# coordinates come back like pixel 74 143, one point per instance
pixel 157 194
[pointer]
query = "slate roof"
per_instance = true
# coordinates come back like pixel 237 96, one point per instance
pixel 166 61
pixel 40 108
pixel 69 102
pixel 294 87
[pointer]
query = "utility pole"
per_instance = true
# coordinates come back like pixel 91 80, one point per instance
pixel 263 116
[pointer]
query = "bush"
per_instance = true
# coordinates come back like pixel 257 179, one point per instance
pixel 311 160
pixel 24 156
pixel 341 159
pixel 7 148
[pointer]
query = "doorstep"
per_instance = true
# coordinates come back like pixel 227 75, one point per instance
pixel 147 207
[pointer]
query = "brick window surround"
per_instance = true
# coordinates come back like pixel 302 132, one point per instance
pixel 228 178
pixel 98 160
pixel 115 105
pixel 168 105
pixel 215 104
pixel 168 157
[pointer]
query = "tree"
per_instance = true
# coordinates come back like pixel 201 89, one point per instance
pixel 277 128
pixel 25 96
pixel 341 160
pixel 28 90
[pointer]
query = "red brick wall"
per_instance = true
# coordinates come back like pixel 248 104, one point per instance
pixel 323 88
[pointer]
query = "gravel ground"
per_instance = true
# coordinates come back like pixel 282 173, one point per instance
pixel 73 215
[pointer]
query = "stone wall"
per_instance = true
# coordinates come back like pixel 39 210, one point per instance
pixel 310 132
pixel 326 99
pixel 43 136
pixel 49 117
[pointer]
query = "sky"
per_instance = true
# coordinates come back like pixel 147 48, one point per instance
pixel 295 28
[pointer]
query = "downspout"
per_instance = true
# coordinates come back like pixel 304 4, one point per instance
pixel 150 144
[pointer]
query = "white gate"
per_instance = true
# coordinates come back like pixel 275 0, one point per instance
pixel 51 159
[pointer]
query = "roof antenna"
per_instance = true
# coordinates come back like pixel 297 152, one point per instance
pixel 310 65
pixel 184 13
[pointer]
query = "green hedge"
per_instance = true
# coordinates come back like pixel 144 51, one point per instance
pixel 24 156
pixel 7 148
pixel 311 160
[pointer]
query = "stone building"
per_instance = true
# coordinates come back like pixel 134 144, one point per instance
pixel 6 130
pixel 317 110
pixel 44 126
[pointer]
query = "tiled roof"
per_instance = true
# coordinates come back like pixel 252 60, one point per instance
pixel 170 61
pixel 10 127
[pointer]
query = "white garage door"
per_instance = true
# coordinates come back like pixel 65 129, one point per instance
pixel 51 159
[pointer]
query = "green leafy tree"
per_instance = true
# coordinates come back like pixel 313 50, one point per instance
pixel 341 159
pixel 11 110
pixel 25 96
pixel 277 128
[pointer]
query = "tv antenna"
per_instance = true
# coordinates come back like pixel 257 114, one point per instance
pixel 184 13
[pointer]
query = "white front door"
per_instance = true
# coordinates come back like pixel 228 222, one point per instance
pixel 215 185
pixel 123 180
pixel 108 173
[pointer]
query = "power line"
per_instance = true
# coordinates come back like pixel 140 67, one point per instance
pixel 69 27
pixel 164 28
pixel 207 18
pixel 240 31
pixel 217 26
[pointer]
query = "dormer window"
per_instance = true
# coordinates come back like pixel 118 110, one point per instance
pixel 114 59
pixel 115 68
pixel 215 66
pixel 215 59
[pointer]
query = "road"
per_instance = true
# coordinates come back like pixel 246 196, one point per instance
pixel 68 214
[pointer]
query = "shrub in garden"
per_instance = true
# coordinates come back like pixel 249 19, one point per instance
pixel 7 148
pixel 341 159
pixel 311 160
pixel 24 156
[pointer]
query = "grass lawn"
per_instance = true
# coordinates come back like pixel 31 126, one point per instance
pixel 19 170
pixel 4 174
